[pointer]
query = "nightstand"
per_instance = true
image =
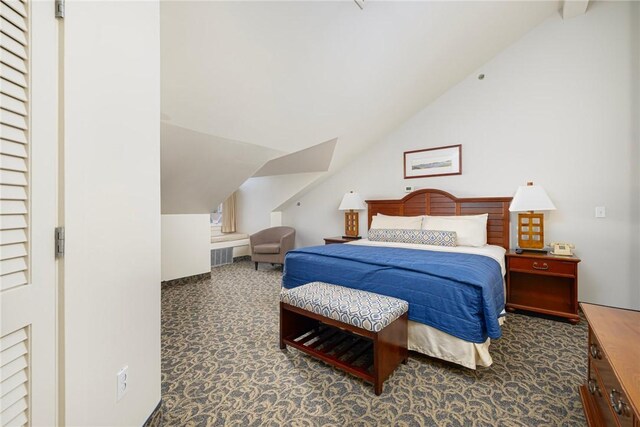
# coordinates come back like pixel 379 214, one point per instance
pixel 543 283
pixel 339 239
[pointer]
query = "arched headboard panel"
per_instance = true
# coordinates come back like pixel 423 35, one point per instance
pixel 437 202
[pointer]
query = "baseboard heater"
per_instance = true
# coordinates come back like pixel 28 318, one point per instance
pixel 221 256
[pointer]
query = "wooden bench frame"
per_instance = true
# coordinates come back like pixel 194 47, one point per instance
pixel 318 336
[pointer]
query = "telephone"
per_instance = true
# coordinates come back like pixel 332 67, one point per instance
pixel 562 249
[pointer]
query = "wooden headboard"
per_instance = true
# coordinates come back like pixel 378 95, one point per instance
pixel 438 202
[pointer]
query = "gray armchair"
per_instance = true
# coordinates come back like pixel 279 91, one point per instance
pixel 272 244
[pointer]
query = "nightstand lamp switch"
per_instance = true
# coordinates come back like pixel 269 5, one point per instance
pixel 527 200
pixel 600 212
pixel 351 204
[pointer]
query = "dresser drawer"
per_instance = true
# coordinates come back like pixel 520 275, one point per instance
pixel 596 389
pixel 613 349
pixel 542 265
pixel 610 388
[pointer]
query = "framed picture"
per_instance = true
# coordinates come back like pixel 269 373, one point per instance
pixel 433 162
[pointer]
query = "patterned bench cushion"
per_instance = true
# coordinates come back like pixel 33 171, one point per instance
pixel 362 309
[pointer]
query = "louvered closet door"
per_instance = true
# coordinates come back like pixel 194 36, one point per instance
pixel 13 151
pixel 28 195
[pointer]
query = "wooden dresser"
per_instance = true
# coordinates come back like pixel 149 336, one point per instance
pixel 611 393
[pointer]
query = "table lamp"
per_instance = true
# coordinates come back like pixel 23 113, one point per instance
pixel 530 198
pixel 351 204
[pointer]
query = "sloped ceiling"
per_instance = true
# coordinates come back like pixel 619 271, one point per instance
pixel 312 159
pixel 289 75
pixel 199 170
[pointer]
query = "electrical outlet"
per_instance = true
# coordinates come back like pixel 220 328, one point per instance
pixel 601 212
pixel 123 382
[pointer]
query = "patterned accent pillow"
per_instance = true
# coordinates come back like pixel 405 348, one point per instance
pixel 424 237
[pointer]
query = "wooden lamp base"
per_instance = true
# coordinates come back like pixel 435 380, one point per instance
pixel 351 222
pixel 531 231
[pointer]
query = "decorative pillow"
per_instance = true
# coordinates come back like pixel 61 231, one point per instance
pixel 471 230
pixel 396 222
pixel 424 237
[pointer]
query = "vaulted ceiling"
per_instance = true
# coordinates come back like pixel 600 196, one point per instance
pixel 287 76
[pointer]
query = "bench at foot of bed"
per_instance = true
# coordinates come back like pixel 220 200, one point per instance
pixel 359 332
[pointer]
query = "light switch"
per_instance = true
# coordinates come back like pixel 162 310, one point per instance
pixel 600 212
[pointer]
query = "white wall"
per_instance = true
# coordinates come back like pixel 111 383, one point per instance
pixel 186 242
pixel 558 107
pixel 111 303
pixel 635 113
pixel 258 197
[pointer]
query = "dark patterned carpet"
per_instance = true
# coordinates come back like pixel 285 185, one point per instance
pixel 221 365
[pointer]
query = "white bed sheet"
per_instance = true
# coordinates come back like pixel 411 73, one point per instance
pixel 434 342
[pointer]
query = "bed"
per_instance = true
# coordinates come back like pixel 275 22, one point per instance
pixel 455 294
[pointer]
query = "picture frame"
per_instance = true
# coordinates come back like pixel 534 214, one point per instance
pixel 428 162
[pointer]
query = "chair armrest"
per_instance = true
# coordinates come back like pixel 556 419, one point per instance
pixel 287 242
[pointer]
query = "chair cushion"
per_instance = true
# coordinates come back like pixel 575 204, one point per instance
pixel 362 309
pixel 267 248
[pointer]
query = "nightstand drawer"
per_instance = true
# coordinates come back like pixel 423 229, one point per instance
pixel 542 265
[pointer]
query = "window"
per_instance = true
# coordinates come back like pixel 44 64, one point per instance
pixel 216 215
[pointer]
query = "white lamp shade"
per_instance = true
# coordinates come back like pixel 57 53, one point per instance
pixel 352 201
pixel 531 198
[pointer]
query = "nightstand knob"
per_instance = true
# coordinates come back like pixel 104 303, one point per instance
pixel 593 386
pixel 544 266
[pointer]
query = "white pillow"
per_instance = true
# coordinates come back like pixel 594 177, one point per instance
pixel 396 222
pixel 470 229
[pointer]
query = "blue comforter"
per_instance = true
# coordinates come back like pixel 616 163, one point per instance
pixel 460 294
